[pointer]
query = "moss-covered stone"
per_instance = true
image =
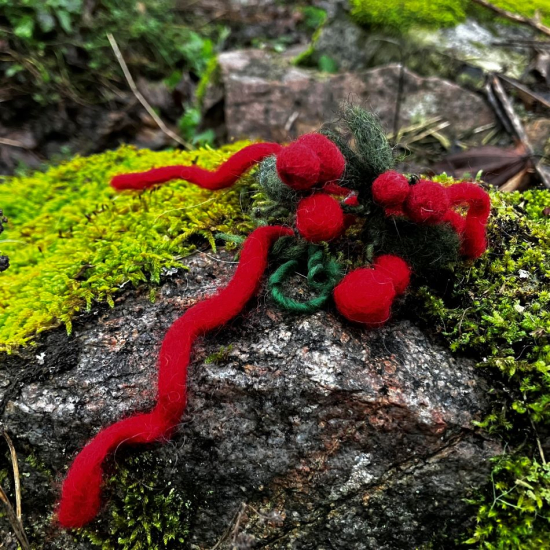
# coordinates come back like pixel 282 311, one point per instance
pixel 72 240
pixel 498 308
pixel 401 16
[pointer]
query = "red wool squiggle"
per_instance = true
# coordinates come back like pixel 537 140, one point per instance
pixel 473 233
pixel 81 493
pixel 224 176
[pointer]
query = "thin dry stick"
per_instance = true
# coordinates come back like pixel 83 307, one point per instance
pixel 12 143
pixel 139 95
pixel 516 125
pixel 534 22
pixel 17 480
pixel 14 517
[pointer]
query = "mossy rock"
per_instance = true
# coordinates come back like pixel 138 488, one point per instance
pixel 72 240
pixel 498 310
pixel 400 16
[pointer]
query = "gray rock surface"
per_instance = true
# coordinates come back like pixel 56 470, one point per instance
pixel 357 439
pixel 267 97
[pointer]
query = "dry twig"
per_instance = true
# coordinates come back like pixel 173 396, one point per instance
pixel 139 95
pixel 509 116
pixel 12 143
pixel 14 517
pixel 534 22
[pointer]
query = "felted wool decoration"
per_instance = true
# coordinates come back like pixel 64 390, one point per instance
pixel 319 217
pixel 333 163
pixel 427 202
pixel 80 498
pixel 225 176
pixel 365 296
pixel 474 240
pixel 298 166
pixel 390 189
pixel 396 269
pixel 433 232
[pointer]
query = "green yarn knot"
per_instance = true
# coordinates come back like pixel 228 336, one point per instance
pixel 323 275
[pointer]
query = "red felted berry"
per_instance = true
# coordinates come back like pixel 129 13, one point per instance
pixel 427 203
pixel 333 163
pixel 298 166
pixel 396 269
pixel 390 189
pixel 365 296
pixel 319 218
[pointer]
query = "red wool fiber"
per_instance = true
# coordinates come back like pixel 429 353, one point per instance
pixel 80 498
pixel 333 188
pixel 390 190
pixel 455 220
pixel 396 269
pixel 333 162
pixel 474 240
pixel 225 176
pixel 427 202
pixel 319 218
pixel 298 166
pixel 365 296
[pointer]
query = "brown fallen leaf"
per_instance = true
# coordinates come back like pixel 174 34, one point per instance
pixel 499 165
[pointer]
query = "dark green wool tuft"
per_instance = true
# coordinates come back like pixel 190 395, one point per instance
pixel 271 183
pixel 363 143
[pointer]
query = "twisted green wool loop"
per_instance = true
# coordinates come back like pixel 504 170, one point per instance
pixel 322 277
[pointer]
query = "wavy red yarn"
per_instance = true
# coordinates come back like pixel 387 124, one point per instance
pixel 81 493
pixel 319 217
pixel 473 228
pixel 225 175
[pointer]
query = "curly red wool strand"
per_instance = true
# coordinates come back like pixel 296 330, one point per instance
pixel 225 176
pixel 81 493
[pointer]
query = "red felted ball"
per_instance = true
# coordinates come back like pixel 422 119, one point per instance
pixel 365 296
pixel 319 218
pixel 333 162
pixel 427 203
pixel 298 166
pixel 396 269
pixel 390 189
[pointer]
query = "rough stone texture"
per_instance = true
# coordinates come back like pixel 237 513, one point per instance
pixel 269 98
pixel 358 439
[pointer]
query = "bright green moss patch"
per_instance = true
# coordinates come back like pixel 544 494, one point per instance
pixel 499 309
pixel 401 15
pixel 73 240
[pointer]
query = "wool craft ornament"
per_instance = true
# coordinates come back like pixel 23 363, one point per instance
pixel 312 192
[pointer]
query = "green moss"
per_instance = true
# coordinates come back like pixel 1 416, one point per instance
pixel 400 16
pixel 513 513
pixel 146 511
pixel 73 241
pixel 50 42
pixel 499 310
